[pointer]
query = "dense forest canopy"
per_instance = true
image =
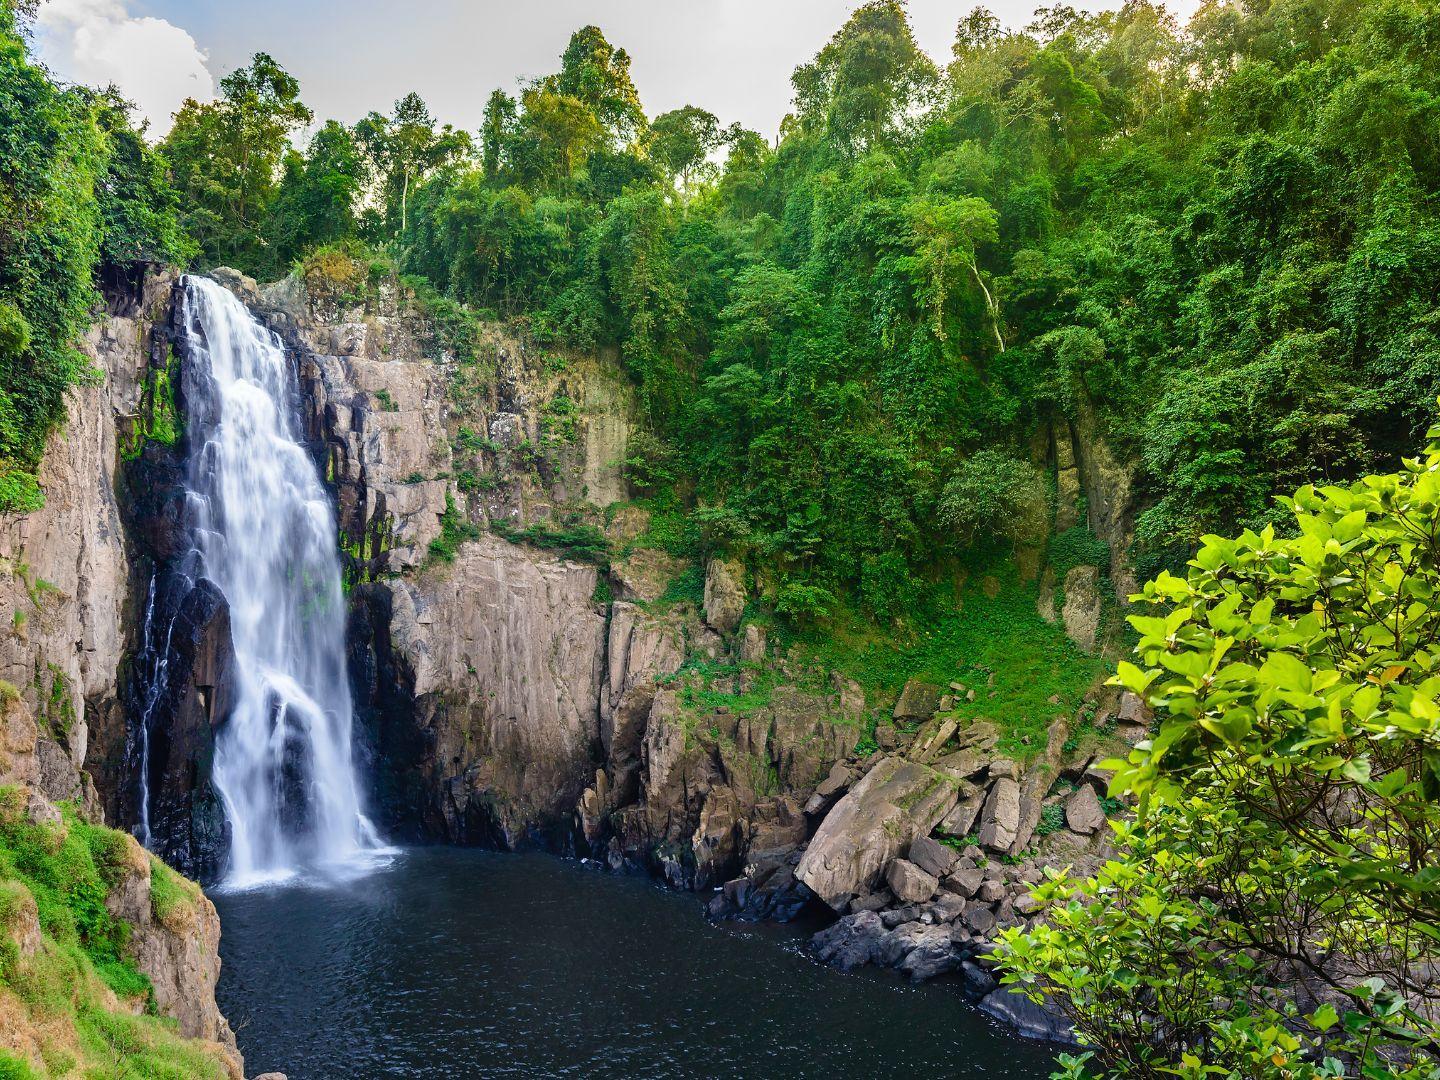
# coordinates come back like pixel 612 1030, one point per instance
pixel 1217 242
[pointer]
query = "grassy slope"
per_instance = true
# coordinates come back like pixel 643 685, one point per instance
pixel 78 997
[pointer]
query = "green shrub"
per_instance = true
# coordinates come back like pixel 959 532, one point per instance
pixel 455 530
pixel 1291 677
pixel 993 495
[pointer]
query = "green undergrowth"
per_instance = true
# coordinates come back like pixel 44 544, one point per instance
pixel 670 529
pixel 573 540
pixel 985 635
pixel 70 870
pixel 454 531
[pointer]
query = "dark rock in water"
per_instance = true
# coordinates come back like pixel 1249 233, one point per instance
pixel 852 942
pixel 895 946
pixel 932 954
pixel 1026 1017
pixel 977 980
pixel 898 916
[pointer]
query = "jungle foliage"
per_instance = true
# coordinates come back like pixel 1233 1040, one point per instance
pixel 78 184
pixel 1219 240
pixel 1273 911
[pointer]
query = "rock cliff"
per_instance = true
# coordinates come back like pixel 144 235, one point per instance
pixel 67 600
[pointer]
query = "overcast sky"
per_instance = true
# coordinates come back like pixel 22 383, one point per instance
pixel 733 57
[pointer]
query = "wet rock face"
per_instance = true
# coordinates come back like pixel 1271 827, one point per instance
pixel 69 597
pixel 177 687
pixel 182 712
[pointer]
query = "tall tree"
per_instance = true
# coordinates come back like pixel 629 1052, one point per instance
pixel 319 195
pixel 683 139
pixel 404 147
pixel 226 157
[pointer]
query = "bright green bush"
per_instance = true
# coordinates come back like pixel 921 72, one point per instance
pixel 1289 829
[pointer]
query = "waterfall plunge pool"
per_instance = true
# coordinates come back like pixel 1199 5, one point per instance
pixel 460 963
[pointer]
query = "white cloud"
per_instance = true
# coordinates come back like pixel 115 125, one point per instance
pixel 155 63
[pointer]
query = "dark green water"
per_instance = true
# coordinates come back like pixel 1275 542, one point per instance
pixel 462 963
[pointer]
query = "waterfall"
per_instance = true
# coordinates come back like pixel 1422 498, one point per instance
pixel 265 533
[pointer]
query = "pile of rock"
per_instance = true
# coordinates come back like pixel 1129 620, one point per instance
pixel 927 853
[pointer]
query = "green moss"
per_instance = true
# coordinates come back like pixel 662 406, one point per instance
pixel 159 420
pixel 57 707
pixel 19 490
pixel 1077 546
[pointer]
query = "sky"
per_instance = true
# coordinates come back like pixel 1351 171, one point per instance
pixel 733 57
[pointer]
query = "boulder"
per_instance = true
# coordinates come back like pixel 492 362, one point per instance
pixel 1029 1019
pixel 931 954
pixel 1039 778
pixel 896 801
pixel 830 789
pixel 851 942
pixel 979 918
pixel 1081 613
pixel 752 644
pixel 1133 711
pixel 724 595
pixel 918 701
pixel 947 906
pixel 897 943
pixel 1003 769
pixel 894 917
pixel 960 820
pixel 977 980
pixel 966 880
pixel 1000 818
pixel 1083 813
pixel 932 856
pixel 909 882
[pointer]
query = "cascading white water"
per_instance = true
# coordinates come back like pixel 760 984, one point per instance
pixel 266 535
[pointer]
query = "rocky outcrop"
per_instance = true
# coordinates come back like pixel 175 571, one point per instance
pixel 176 945
pixel 502 655
pixel 724 595
pixel 65 579
pixel 897 801
pixel 1081 613
pixel 1110 498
